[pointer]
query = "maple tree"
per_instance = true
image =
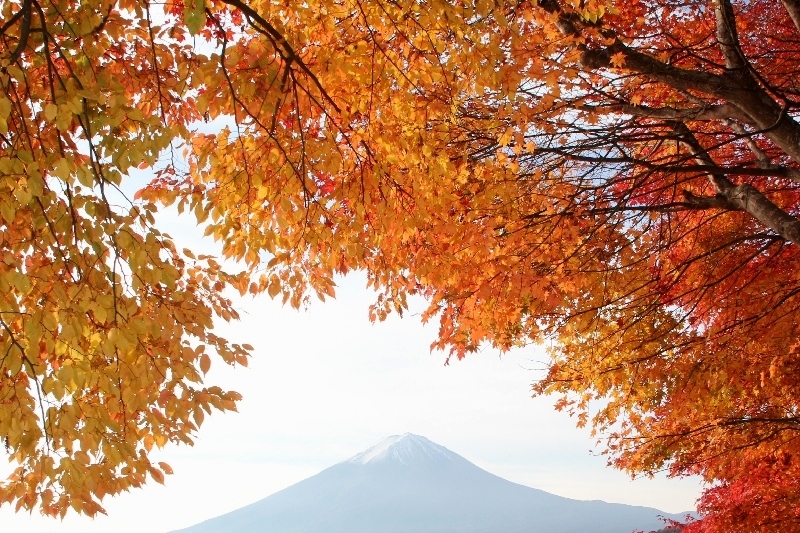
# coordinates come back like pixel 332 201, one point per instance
pixel 618 180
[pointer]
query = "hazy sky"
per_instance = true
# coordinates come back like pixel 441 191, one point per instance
pixel 324 384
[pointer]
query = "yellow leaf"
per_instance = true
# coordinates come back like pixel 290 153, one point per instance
pixel 5 107
pixel 618 60
pixel 50 112
pixel 505 139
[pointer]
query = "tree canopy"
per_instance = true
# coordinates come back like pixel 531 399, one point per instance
pixel 619 181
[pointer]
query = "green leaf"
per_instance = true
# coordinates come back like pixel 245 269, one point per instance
pixel 194 14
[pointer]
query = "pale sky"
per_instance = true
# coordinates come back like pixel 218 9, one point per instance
pixel 325 383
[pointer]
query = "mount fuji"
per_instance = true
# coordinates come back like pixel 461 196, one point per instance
pixel 408 484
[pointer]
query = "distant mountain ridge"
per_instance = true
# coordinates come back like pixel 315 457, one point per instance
pixel 409 484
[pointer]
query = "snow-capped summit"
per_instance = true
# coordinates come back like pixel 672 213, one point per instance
pixel 405 449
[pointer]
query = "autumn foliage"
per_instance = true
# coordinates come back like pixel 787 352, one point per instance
pixel 618 180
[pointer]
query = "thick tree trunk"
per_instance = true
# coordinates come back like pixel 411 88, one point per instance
pixel 744 196
pixel 749 95
pixel 754 202
pixel 793 7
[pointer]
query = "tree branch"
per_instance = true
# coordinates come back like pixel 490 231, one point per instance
pixel 282 46
pixel 793 7
pixel 744 196
pixel 24 32
pixel 704 112
pixel 757 108
pixel 675 77
pixel 728 37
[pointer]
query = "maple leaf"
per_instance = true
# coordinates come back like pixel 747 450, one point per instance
pixel 617 60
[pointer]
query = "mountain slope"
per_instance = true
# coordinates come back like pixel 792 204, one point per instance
pixel 408 484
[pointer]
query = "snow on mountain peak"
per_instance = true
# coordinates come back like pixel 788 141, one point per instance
pixel 405 448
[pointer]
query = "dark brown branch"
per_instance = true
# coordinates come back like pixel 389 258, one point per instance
pixel 10 22
pixel 744 196
pixel 763 159
pixel 709 112
pixel 567 23
pixel 281 45
pixel 738 87
pixel 718 201
pixel 703 167
pixel 675 77
pixel 24 32
pixel 728 37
